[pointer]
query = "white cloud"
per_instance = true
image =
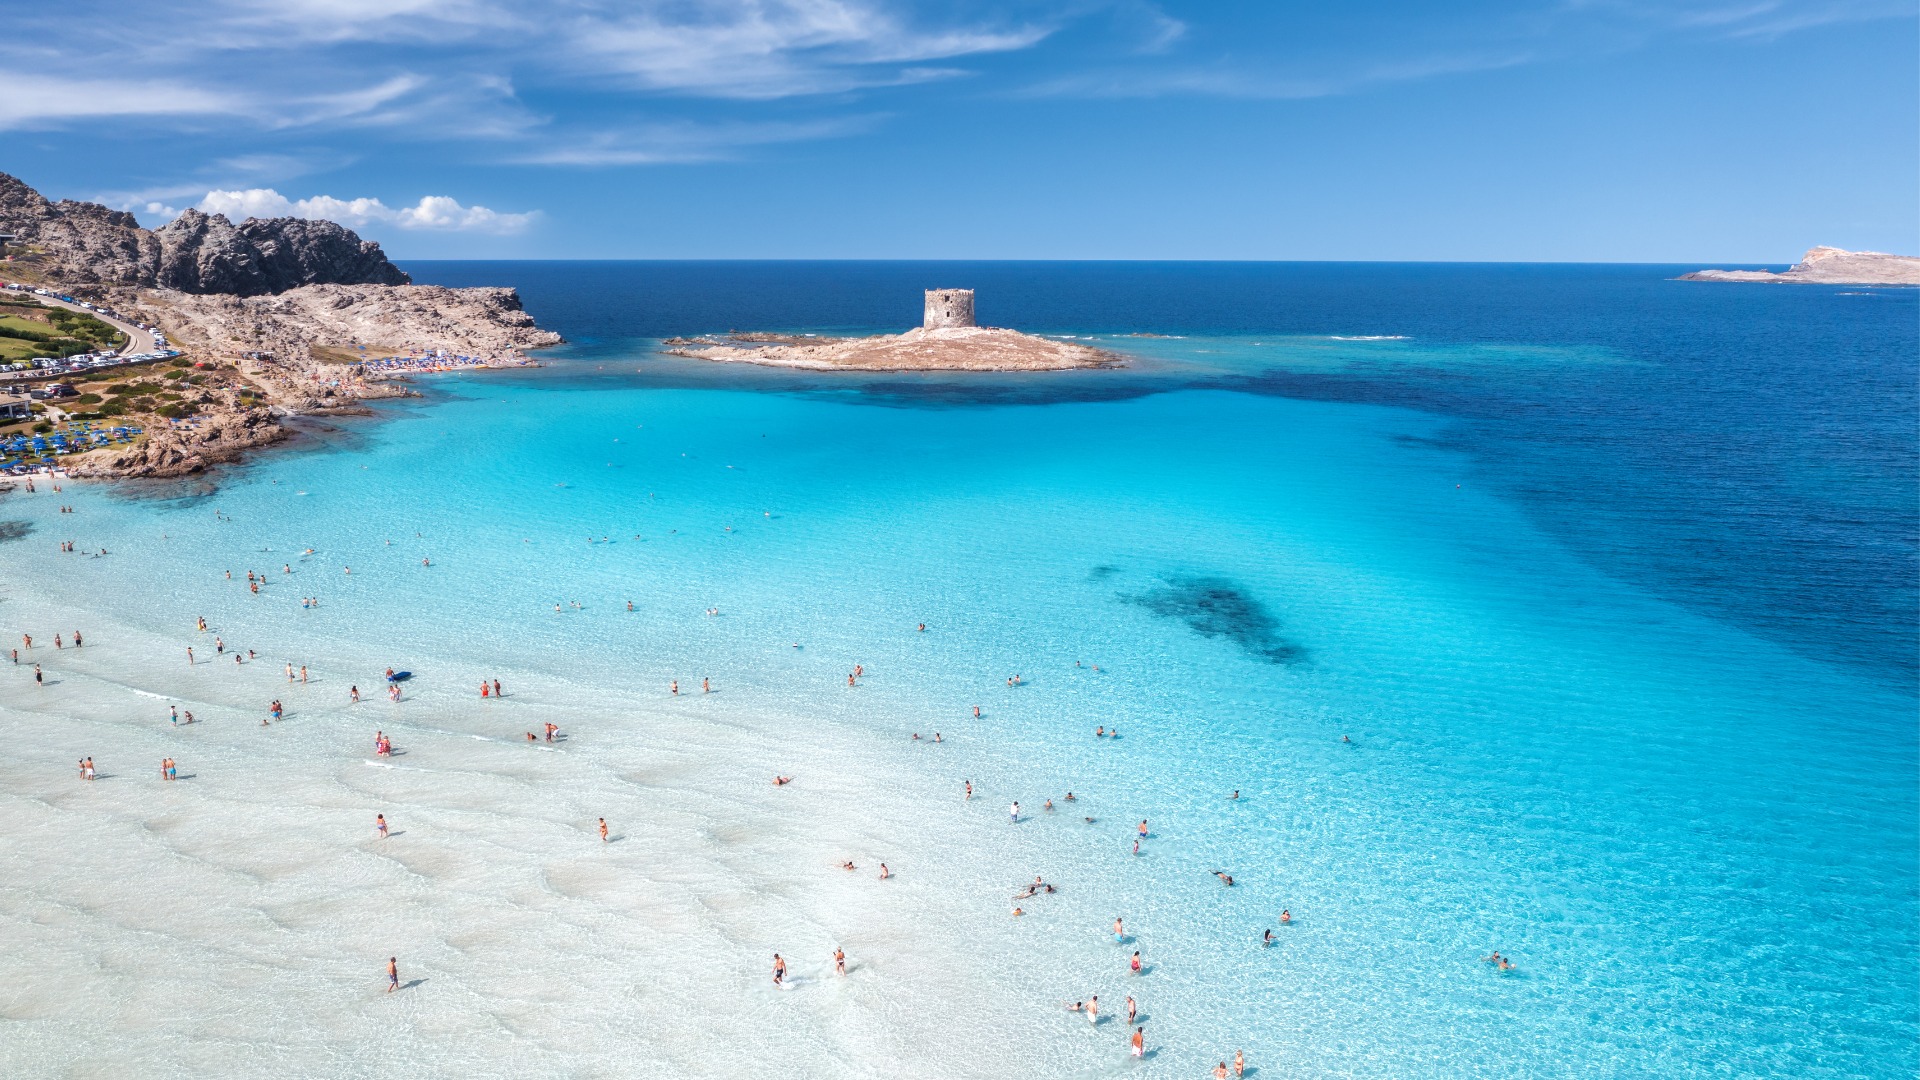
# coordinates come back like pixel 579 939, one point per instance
pixel 433 212
pixel 659 144
pixel 771 48
pixel 37 99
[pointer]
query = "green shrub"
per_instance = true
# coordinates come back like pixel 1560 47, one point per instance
pixel 42 428
pixel 87 399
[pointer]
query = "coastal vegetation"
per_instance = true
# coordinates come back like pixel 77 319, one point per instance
pixel 29 329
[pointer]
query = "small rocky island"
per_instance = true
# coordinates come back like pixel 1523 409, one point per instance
pixel 947 340
pixel 1829 266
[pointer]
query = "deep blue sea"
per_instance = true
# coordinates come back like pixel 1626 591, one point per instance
pixel 1567 612
pixel 1744 451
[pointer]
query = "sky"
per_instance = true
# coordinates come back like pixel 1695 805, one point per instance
pixel 1690 131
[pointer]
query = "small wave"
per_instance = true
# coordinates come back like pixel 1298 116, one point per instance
pixel 1368 337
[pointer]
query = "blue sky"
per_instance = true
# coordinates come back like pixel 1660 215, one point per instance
pixel 1609 130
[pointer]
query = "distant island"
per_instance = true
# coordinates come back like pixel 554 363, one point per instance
pixel 947 340
pixel 1829 266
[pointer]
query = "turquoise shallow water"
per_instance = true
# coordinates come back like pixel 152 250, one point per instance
pixel 1696 842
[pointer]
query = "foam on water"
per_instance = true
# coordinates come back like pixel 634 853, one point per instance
pixel 1667 822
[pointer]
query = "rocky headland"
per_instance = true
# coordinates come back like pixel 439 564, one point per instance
pixel 1829 266
pixel 272 317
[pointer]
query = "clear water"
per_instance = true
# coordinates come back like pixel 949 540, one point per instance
pixel 1609 579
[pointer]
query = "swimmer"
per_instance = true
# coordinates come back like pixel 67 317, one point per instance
pixel 603 824
pixel 923 628
pixel 1048 805
pixel 1235 795
pixel 1078 1006
pixel 840 961
pixel 1100 732
pixel 1285 916
pixel 1017 913
pixel 706 686
pixel 1069 796
pixel 1220 1071
pixel 380 825
pixel 848 865
pixel 976 712
pixel 779 780
pixel 1134 964
pixel 676 687
pixel 1345 739
pixel 1266 938
pixel 969 784
pixel 936 736
pixel 353 692
pixel 884 872
pixel 1225 878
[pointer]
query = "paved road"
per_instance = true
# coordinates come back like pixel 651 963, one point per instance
pixel 138 340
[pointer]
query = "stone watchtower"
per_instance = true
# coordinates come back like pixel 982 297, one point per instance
pixel 949 307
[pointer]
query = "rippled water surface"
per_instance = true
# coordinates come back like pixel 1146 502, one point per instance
pixel 1561 611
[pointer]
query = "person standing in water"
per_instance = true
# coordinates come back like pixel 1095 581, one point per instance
pixel 603 830
pixel 380 825
pixel 1139 1042
pixel 1093 1010
pixel 779 971
pixel 840 961
pixel 393 974
pixel 1014 815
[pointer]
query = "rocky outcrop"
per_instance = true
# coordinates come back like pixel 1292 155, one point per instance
pixel 1829 266
pixel 215 437
pixel 88 244
pixel 387 319
pixel 946 348
pixel 206 253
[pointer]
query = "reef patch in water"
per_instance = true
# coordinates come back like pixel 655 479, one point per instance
pixel 1217 608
